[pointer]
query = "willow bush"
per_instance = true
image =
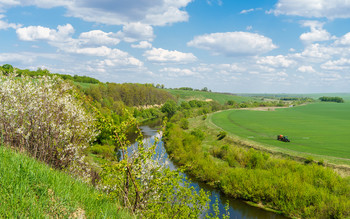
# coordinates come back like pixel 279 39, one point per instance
pixel 45 117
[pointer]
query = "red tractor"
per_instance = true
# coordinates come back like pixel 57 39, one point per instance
pixel 283 138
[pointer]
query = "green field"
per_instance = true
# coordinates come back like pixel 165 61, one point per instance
pixel 202 95
pixel 318 128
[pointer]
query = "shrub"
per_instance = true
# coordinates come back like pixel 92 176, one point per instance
pixel 321 163
pixel 184 123
pixel 221 135
pixel 169 108
pixel 198 133
pixel 44 117
pixel 309 160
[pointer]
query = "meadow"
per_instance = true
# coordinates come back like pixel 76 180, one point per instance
pixel 318 128
pixel 203 95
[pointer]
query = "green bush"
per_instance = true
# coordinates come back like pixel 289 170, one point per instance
pixel 46 118
pixel 309 160
pixel 184 123
pixel 221 135
pixel 198 133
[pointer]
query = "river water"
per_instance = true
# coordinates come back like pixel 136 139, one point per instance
pixel 237 208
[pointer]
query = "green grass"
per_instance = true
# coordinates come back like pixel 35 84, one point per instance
pixel 29 189
pixel 83 85
pixel 319 128
pixel 201 95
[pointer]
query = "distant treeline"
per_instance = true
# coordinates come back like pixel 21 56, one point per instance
pixel 41 72
pixel 296 99
pixel 332 99
pixel 205 89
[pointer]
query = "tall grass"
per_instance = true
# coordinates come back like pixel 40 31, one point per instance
pixel 30 189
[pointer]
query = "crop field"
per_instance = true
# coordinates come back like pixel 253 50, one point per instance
pixel 202 95
pixel 319 128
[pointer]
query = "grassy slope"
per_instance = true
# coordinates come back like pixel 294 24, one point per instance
pixel 201 95
pixel 83 85
pixel 320 128
pixel 29 189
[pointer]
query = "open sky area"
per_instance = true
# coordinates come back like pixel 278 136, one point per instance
pixel 245 46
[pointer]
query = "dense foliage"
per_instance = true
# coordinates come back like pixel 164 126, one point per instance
pixel 298 190
pixel 332 99
pixel 142 182
pixel 44 117
pixel 111 100
pixel 129 94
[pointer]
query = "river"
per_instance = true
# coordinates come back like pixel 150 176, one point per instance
pixel 237 208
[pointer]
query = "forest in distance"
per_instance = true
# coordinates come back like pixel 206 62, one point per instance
pixel 86 121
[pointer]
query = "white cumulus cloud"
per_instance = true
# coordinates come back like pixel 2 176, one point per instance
pixel 339 64
pixel 4 25
pixel 233 43
pixel 121 12
pixel 163 55
pixel 142 45
pixel 276 61
pixel 314 8
pixel 136 31
pixel 344 40
pixel 32 33
pixel 317 33
pixel 306 69
pixel 98 37
pixel 178 72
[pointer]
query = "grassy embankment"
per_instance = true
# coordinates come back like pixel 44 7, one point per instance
pixel 318 130
pixel 30 189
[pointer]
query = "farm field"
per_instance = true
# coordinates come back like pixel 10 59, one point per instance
pixel 318 128
pixel 202 95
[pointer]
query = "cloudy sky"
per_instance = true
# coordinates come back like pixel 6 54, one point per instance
pixel 265 46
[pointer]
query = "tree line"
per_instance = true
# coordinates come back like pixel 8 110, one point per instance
pixel 130 94
pixel 331 99
pixel 7 68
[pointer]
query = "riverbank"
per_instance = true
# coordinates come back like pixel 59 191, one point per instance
pixel 295 189
pixel 236 208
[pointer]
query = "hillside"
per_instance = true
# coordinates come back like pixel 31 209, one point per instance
pixel 222 98
pixel 30 189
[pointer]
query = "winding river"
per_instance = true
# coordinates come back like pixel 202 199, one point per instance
pixel 237 208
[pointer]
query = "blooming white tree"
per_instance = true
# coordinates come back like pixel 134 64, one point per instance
pixel 45 117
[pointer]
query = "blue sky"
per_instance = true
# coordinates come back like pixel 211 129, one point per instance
pixel 239 46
